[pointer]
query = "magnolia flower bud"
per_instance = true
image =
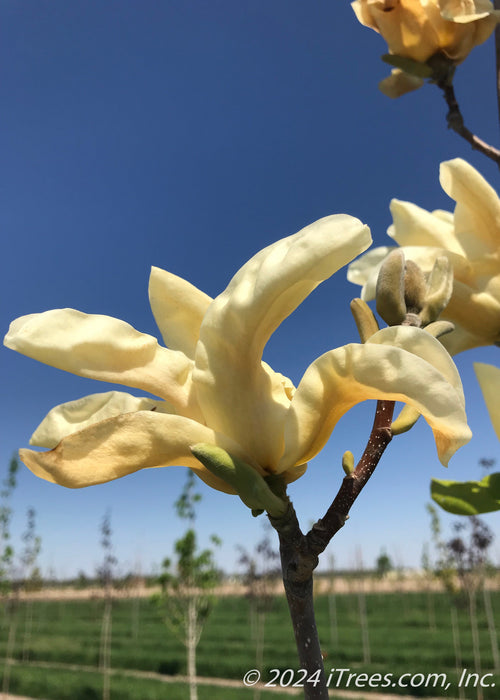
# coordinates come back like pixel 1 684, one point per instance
pixel 404 294
pixel 415 288
pixel 390 292
pixel 418 30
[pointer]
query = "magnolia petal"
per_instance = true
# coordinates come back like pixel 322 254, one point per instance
pixel 228 373
pixel 178 308
pixel 477 311
pixel 364 15
pixel 418 372
pixel 364 271
pixel 488 377
pixel 125 444
pixel 414 226
pixel 70 417
pixel 464 11
pixel 107 349
pixel 399 83
pixel 460 339
pixel 477 214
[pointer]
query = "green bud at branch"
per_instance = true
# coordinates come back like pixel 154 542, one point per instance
pixel 348 462
pixel 407 418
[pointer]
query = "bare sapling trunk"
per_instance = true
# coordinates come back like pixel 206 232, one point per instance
pixel 191 643
pixel 456 645
pixel 491 629
pixel 105 651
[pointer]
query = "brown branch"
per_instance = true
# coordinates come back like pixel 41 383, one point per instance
pixel 322 532
pixel 297 566
pixel 456 122
pixel 299 553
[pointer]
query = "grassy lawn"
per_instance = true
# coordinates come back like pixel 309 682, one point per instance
pixel 401 640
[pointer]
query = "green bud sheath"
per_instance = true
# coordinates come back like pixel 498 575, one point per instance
pixel 366 322
pixel 389 293
pixel 245 480
pixel 407 418
pixel 408 65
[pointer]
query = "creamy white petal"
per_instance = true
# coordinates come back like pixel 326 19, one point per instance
pixel 107 349
pixel 178 308
pixel 70 417
pixel 399 83
pixel 237 396
pixel 364 270
pixel 465 11
pixel 488 377
pixel 414 226
pixel 125 444
pixel 477 214
pixel 341 378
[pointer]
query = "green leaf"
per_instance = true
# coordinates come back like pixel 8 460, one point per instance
pixel 468 497
pixel 408 65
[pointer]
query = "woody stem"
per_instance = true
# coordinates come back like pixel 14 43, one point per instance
pixel 456 121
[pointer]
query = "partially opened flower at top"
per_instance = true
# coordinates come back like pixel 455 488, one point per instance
pixel 213 387
pixel 418 30
pixel 469 238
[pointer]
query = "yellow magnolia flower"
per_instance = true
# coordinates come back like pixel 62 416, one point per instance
pixel 469 238
pixel 419 29
pixel 212 385
pixel 488 377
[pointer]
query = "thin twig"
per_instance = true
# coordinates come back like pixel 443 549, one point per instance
pixel 456 122
pixel 322 532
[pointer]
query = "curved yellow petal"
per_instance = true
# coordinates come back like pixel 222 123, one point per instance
pixel 477 213
pixel 364 270
pixel 178 308
pixel 488 377
pixel 414 226
pixel 125 444
pixel 464 11
pixel 107 349
pixel 399 83
pixel 237 396
pixel 398 364
pixel 70 417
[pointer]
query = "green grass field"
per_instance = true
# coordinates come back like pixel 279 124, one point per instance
pixel 401 641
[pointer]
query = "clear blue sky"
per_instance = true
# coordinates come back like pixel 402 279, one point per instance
pixel 189 135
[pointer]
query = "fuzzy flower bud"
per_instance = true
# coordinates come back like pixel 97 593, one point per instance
pixel 403 291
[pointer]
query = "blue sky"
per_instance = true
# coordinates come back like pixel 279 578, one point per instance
pixel 189 135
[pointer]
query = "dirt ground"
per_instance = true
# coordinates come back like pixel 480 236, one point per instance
pixel 323 584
